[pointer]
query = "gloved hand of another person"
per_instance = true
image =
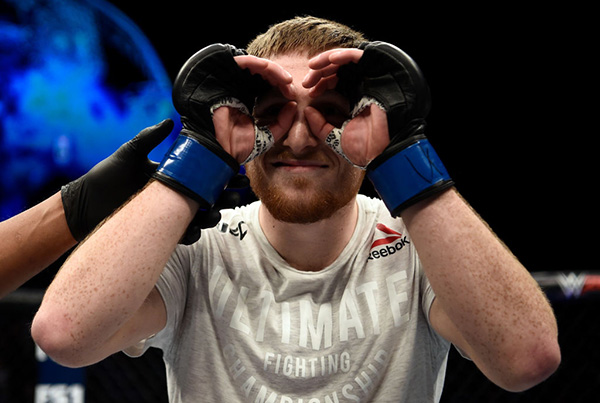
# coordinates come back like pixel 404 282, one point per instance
pixel 92 197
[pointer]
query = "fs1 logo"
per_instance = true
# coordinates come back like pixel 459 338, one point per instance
pixel 391 243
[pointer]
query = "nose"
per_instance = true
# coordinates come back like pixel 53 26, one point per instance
pixel 299 137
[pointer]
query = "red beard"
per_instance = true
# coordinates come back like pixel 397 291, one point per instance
pixel 317 205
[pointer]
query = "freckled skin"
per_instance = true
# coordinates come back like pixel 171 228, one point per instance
pixel 488 297
pixel 486 302
pixel 122 280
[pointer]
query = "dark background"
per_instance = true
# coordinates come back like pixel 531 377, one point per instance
pixel 513 119
pixel 513 115
pixel 510 86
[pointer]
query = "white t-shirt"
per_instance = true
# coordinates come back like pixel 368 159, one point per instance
pixel 244 326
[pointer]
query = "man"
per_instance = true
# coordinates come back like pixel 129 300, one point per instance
pixel 313 294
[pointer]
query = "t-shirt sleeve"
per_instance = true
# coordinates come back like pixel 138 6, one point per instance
pixel 428 296
pixel 427 293
pixel 172 286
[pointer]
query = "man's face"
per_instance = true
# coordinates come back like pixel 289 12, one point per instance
pixel 300 179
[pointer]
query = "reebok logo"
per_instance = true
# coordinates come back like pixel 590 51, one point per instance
pixel 393 241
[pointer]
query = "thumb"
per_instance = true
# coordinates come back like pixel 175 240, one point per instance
pixel 317 123
pixel 146 140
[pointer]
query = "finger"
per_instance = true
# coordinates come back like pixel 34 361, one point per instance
pixel 335 56
pixel 354 141
pixel 278 77
pixel 313 76
pixel 327 83
pixel 322 59
pixel 317 123
pixel 234 131
pixel 252 63
pixel 324 68
pixel 326 132
pixel 380 138
pixel 152 136
pixel 366 135
pixel 346 56
pixel 284 121
pixel 272 72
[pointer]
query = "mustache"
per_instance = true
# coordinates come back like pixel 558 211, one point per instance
pixel 279 153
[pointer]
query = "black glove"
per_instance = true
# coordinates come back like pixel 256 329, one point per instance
pixel 408 170
pixel 197 165
pixel 94 196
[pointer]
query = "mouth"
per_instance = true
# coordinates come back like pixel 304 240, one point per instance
pixel 300 163
pixel 293 165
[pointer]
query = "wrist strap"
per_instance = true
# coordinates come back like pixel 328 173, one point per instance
pixel 414 173
pixel 196 168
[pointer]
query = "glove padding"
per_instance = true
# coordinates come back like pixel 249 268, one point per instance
pixel 408 170
pixel 197 165
pixel 89 199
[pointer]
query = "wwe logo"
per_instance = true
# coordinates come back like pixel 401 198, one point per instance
pixel 571 284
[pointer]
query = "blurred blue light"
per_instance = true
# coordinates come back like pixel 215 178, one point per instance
pixel 77 79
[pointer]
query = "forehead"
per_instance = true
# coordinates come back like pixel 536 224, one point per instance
pixel 297 66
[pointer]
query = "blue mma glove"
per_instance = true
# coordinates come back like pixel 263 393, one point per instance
pixel 196 165
pixel 409 169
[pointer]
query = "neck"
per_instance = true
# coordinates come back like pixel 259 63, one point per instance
pixel 311 247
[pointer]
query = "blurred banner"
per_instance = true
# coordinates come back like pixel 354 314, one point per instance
pixel 56 383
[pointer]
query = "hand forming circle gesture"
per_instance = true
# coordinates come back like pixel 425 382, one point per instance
pixel 361 138
pixel 236 130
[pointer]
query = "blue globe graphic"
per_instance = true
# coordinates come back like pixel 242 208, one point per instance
pixel 77 79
